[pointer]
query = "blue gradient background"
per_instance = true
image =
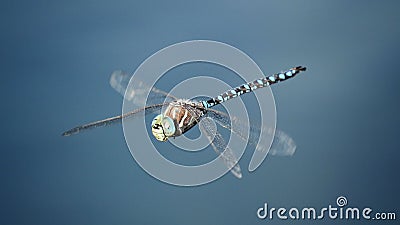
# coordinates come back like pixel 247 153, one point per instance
pixel 56 58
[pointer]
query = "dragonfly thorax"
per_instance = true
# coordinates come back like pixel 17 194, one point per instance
pixel 179 117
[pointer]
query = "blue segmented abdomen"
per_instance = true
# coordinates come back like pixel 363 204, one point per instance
pixel 251 86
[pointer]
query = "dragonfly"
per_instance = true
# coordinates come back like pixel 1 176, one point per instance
pixel 177 116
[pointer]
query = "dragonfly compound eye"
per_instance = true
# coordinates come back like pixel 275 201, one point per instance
pixel 168 126
pixel 157 128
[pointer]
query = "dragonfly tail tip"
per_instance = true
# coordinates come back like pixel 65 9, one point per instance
pixel 301 68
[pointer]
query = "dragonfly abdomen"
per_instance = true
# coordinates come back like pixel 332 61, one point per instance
pixel 251 86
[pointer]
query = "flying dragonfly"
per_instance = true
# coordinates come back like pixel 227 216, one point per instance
pixel 177 116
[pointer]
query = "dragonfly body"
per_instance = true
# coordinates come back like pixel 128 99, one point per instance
pixel 182 115
pixel 179 115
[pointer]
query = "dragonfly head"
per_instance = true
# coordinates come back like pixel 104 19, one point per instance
pixel 162 127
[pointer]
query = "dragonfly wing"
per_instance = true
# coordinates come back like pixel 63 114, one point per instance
pixel 220 147
pixel 119 80
pixel 283 144
pixel 113 120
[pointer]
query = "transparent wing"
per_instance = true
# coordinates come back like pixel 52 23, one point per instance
pixel 220 147
pixel 112 120
pixel 283 144
pixel 119 80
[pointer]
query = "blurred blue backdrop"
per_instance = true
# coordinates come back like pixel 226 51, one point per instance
pixel 57 56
